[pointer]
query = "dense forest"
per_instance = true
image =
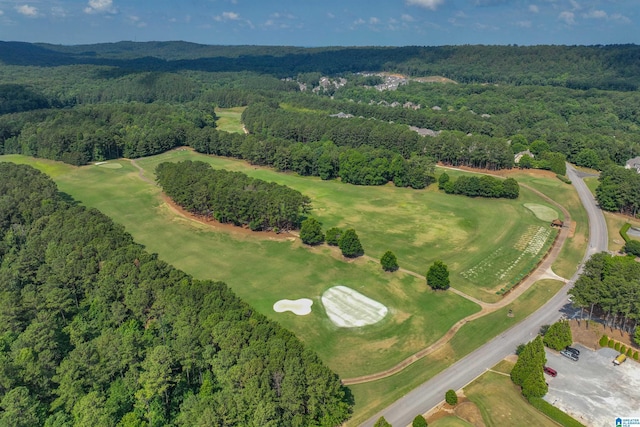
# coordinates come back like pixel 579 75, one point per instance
pixel 232 197
pixel 81 104
pixel 95 331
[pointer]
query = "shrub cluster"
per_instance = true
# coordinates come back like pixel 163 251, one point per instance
pixel 528 373
pixel 482 186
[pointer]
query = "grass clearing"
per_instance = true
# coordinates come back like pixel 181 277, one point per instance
pixel 501 402
pixel 230 119
pixel 418 226
pixel 451 421
pixel 615 221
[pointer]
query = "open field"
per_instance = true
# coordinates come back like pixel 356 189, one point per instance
pixel 501 402
pixel 418 226
pixel 230 119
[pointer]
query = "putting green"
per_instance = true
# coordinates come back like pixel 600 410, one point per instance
pixel 112 165
pixel 542 212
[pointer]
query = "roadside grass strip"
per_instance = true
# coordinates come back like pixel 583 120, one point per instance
pixel 300 307
pixel 347 308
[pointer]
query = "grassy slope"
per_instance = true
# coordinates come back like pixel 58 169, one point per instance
pixel 501 402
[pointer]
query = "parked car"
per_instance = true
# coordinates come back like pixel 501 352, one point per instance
pixel 620 359
pixel 573 350
pixel 550 371
pixel 569 355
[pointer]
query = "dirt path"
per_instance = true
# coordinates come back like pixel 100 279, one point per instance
pixel 543 271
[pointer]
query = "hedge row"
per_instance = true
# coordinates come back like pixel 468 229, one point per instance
pixel 554 413
pixel 605 341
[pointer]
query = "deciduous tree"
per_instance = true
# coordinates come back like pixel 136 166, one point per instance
pixel 389 261
pixel 350 244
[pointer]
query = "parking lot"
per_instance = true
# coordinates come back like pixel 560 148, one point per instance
pixel 593 390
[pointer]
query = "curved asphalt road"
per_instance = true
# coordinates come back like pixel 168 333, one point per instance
pixel 431 393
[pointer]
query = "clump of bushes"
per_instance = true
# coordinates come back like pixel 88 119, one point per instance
pixel 610 343
pixel 451 397
pixel 603 341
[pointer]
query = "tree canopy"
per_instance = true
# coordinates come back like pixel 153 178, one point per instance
pixel 438 276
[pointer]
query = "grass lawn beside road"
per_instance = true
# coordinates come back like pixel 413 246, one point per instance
pixel 502 404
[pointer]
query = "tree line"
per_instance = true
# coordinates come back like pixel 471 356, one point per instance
pixel 612 67
pixel 619 190
pixel 610 287
pixel 96 331
pixel 232 197
pixel 480 186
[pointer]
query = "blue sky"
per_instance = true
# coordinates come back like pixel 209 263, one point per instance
pixel 324 23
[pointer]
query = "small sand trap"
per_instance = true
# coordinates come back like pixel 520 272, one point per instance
pixel 301 306
pixel 348 308
pixel 542 212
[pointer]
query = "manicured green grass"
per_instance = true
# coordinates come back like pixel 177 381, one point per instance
pixel 575 246
pixel 592 183
pixel 615 221
pixel 418 226
pixel 230 119
pixel 501 402
pixel 50 167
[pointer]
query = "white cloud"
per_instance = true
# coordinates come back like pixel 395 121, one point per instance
pixel 523 24
pixel 407 18
pixel 596 14
pixel 533 8
pixel 358 21
pixel 27 10
pixel 621 18
pixel 373 20
pixel 1 13
pixel 227 16
pixel 567 17
pixel 575 5
pixel 427 4
pixel 58 12
pixel 100 6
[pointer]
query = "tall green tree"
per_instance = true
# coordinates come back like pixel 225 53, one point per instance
pixel 389 261
pixel 350 244
pixel 419 421
pixel 311 232
pixel 438 276
pixel 382 422
pixel 333 236
pixel 558 335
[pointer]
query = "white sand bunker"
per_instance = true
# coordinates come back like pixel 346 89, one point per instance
pixel 350 309
pixel 542 212
pixel 301 306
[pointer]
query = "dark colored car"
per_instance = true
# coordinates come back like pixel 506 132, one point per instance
pixel 550 371
pixel 569 355
pixel 575 351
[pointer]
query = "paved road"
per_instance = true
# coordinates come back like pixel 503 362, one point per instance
pixel 432 392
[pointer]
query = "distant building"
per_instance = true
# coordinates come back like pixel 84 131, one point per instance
pixel 633 164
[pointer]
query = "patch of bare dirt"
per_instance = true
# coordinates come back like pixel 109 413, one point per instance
pixel 227 228
pixel 589 334
pixel 465 409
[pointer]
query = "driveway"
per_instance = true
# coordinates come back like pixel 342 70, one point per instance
pixel 593 390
